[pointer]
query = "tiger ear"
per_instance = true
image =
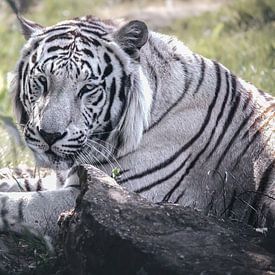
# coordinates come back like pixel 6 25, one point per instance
pixel 132 36
pixel 28 27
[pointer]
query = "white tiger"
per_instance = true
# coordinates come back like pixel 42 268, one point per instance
pixel 181 128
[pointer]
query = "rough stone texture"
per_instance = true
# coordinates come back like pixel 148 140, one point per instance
pixel 112 231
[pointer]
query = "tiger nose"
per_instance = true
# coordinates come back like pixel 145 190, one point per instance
pixel 50 138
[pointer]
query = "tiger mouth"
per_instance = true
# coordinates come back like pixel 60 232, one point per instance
pixel 58 162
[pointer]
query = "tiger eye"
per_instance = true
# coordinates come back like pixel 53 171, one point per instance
pixel 42 79
pixel 89 87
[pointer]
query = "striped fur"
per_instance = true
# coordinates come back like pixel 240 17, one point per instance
pixel 182 128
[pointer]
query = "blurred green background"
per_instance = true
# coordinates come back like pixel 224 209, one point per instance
pixel 240 34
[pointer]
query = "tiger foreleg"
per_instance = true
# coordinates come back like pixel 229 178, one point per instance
pixel 38 211
pixel 10 183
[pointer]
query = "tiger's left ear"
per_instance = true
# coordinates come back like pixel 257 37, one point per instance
pixel 131 37
pixel 28 27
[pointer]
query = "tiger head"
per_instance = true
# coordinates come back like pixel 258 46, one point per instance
pixel 79 83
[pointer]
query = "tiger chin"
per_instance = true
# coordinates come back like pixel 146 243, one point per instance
pixel 182 128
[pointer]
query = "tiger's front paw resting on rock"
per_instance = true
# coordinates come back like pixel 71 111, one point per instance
pixel 75 177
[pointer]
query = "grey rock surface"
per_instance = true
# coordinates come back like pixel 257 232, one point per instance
pixel 112 231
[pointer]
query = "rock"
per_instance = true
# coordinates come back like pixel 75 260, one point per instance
pixel 112 231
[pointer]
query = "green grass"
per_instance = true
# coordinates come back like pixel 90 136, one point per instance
pixel 240 36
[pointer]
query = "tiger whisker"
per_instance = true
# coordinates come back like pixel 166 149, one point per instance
pixel 113 159
pixel 99 152
pixel 111 146
pixel 88 159
pixel 109 152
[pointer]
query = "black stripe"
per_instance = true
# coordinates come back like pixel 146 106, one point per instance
pixel 263 185
pixel 230 115
pixel 25 76
pixel 84 91
pixel 36 44
pixel 106 131
pixel 94 32
pixel 247 101
pixel 20 69
pixel 71 146
pixel 160 56
pixel 87 122
pixel 55 29
pixel 58 37
pixel 25 98
pixel 24 117
pixel 84 62
pixel 32 139
pixel 189 143
pixel 193 163
pixel 56 48
pixel 108 70
pixel 201 76
pixel 101 110
pixel 107 58
pixel 124 86
pixel 88 27
pixel 20 211
pixel 101 25
pixel 39 185
pixel 95 42
pixel 178 101
pixel 97 27
pixel 98 99
pixel 76 139
pixel 85 41
pixel 88 52
pixel 111 99
pixel 98 70
pixel 256 134
pixel 31 131
pixel 220 114
pixel 266 95
pixel 237 133
pixel 233 90
pixel 50 58
pixel 259 118
pixel 153 74
pixel 87 113
pixel 150 186
pixel 27 185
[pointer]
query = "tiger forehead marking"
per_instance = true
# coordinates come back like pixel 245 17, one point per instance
pixel 74 53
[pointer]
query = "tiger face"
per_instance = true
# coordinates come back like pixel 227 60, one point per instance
pixel 73 83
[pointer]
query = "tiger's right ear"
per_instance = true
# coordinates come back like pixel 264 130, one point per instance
pixel 28 27
pixel 131 37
